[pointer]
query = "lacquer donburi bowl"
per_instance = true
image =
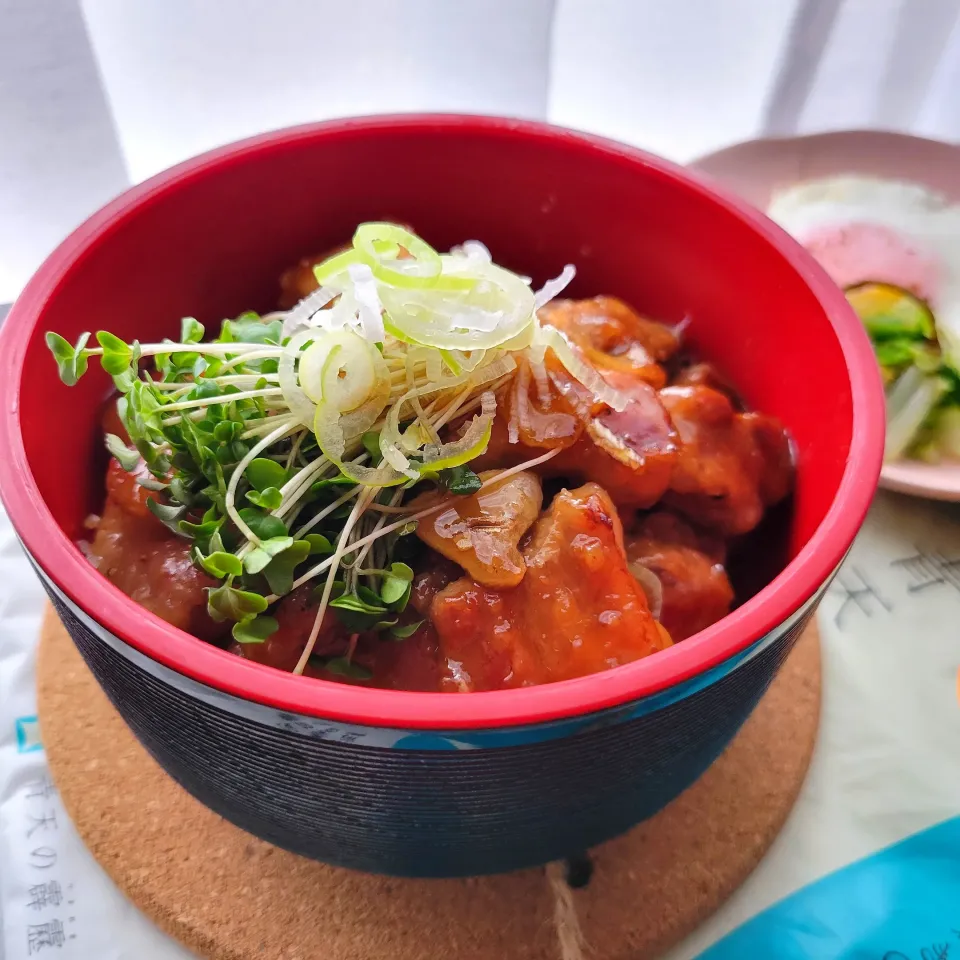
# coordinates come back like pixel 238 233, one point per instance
pixel 416 783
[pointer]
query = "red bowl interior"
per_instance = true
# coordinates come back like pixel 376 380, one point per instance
pixel 209 239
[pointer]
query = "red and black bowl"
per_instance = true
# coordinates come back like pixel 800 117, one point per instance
pixel 419 783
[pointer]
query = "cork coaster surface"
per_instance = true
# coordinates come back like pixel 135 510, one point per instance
pixel 228 896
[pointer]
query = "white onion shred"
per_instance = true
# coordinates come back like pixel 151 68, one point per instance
pixel 569 356
pixel 651 586
pixel 368 302
pixel 552 287
pixel 303 312
pixel 472 250
pixel 543 383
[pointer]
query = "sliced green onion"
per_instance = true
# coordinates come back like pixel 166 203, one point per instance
pixel 300 404
pixel 356 423
pixel 335 265
pixel 337 368
pixel 497 309
pixel 473 442
pixel 423 264
pixel 452 359
pixel 330 436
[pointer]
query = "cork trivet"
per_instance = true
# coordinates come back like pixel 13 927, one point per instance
pixel 228 896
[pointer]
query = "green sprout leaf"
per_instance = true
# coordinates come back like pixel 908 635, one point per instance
pixel 169 515
pixel 355 603
pixel 200 531
pixel 152 484
pixel 336 591
pixel 396 594
pixel 143 412
pixel 329 489
pixel 256 560
pixel 205 389
pixel 128 458
pixel 117 356
pixel 371 443
pixel 263 473
pixel 319 545
pixel 359 611
pixel 249 328
pixel 226 602
pixel 124 381
pixel 226 431
pixel 220 564
pixel 71 361
pixel 343 667
pixel 402 572
pixel 256 630
pixel 216 540
pixel 179 492
pixel 264 526
pixel 279 572
pixel 407 630
pixel 230 453
pixel 269 498
pixel 396 587
pixel 459 480
pixel 191 330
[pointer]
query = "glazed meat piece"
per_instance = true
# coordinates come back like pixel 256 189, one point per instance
pixel 135 552
pixel 299 281
pixel 776 457
pixel 630 453
pixel 706 375
pixel 539 410
pixel 613 336
pixel 409 664
pixel 689 566
pixel 124 489
pixel 578 609
pixel 730 466
pixel 431 577
pixel 481 532
pixel 532 417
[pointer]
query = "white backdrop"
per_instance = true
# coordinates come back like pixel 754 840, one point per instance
pixel 95 94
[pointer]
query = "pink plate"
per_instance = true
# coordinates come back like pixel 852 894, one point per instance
pixel 757 168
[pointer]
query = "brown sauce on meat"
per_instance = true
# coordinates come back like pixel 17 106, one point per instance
pixel 532 581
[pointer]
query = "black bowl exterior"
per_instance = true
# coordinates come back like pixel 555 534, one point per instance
pixel 435 804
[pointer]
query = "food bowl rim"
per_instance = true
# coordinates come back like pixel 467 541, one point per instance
pixel 64 563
